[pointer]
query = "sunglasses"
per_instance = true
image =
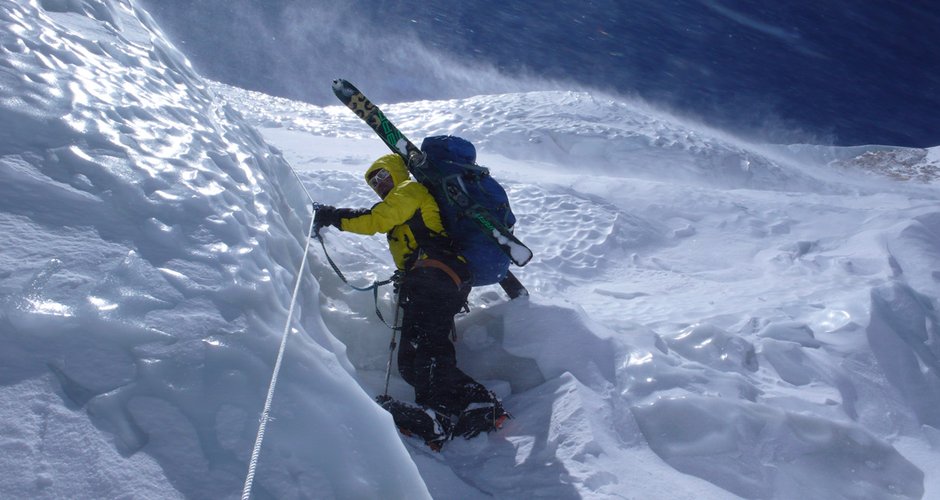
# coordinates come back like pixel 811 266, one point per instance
pixel 381 181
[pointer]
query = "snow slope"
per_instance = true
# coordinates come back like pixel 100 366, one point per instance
pixel 151 241
pixel 708 319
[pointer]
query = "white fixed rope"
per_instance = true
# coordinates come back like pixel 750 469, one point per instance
pixel 256 451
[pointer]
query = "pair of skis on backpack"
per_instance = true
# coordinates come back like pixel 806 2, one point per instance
pixel 435 428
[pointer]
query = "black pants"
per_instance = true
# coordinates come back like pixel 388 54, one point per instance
pixel 426 356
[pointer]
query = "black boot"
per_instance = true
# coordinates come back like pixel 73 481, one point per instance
pixel 477 418
pixel 413 420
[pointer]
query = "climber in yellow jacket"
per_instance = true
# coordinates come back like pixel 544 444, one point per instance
pixel 433 287
pixel 407 213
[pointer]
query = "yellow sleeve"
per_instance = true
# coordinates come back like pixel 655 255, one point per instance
pixel 396 209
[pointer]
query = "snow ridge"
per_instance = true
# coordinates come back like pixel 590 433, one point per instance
pixel 151 240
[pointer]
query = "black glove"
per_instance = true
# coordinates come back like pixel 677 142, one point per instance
pixel 327 216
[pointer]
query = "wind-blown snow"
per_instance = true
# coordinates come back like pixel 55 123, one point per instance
pixel 708 318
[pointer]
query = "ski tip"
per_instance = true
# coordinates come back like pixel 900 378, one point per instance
pixel 342 88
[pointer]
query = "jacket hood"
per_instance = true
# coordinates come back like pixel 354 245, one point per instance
pixel 395 166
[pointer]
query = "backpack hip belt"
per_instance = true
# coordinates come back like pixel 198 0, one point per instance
pixel 443 267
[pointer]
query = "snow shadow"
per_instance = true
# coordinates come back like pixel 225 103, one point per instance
pixel 552 372
pixel 700 400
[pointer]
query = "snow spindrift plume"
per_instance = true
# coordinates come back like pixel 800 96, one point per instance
pixel 315 40
pixel 708 319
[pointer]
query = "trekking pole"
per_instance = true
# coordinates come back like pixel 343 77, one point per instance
pixel 392 344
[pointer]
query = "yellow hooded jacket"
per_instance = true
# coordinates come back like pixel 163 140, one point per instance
pixel 407 205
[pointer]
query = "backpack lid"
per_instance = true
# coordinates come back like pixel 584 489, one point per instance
pixel 449 148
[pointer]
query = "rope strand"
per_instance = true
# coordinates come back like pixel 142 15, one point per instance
pixel 265 414
pixel 374 287
pixel 256 452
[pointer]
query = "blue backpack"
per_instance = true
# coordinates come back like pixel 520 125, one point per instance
pixel 453 163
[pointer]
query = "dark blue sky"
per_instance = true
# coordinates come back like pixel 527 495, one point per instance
pixel 834 71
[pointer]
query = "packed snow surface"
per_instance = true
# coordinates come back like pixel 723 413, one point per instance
pixel 707 319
